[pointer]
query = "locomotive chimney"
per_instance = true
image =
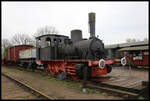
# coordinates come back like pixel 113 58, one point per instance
pixel 92 24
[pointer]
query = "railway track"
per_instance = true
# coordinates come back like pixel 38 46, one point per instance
pixel 131 91
pixel 117 90
pixel 35 92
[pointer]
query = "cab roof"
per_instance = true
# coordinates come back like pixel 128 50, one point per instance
pixel 56 35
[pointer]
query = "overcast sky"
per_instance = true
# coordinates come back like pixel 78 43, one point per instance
pixel 115 21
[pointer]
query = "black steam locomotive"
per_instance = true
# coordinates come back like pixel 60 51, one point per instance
pixel 60 47
pixel 61 55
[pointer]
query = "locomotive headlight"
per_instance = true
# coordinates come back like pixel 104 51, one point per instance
pixel 123 61
pixel 101 63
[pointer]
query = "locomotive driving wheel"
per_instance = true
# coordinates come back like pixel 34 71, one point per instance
pixel 52 71
pixel 56 70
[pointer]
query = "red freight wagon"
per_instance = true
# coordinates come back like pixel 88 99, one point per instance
pixel 139 56
pixel 3 61
pixel 12 53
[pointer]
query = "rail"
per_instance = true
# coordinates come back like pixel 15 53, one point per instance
pixel 36 92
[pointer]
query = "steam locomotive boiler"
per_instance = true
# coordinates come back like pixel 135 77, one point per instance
pixel 82 49
pixel 62 56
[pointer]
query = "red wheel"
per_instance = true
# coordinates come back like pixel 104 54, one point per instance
pixel 52 71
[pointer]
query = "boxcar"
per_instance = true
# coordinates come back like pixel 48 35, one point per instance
pixel 12 53
pixel 138 56
pixel 3 61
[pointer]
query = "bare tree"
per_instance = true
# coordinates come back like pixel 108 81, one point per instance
pixel 132 40
pixel 22 39
pixel 145 39
pixel 128 40
pixel 138 40
pixel 45 30
pixel 6 43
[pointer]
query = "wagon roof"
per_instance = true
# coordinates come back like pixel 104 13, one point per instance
pixel 134 48
pixel 52 35
pixel 18 46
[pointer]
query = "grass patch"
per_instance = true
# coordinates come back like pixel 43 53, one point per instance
pixel 92 91
pixel 23 97
pixel 140 98
pixel 104 94
pixel 11 69
pixel 70 84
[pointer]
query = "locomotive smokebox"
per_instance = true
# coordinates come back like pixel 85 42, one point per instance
pixel 92 24
pixel 76 35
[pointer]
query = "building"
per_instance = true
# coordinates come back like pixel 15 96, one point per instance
pixel 115 50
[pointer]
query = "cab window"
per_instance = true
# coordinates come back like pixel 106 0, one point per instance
pixel 48 41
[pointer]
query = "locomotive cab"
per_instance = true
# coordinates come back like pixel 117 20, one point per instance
pixel 47 46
